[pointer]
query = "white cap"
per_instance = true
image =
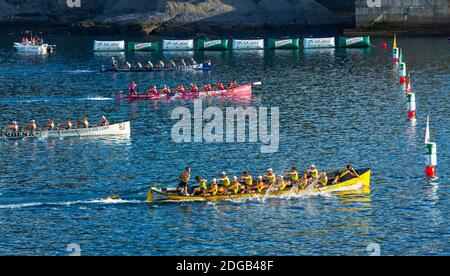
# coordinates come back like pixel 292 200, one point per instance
pixel 214 180
pixel 312 166
pixel 223 173
pixel 260 177
pixel 235 177
pixel 270 170
pixel 14 122
pixel 103 117
pixel 33 121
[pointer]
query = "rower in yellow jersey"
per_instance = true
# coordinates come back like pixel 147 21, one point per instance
pixel 213 187
pixel 235 186
pixel 303 181
pixel 348 170
pixel 270 177
pixel 225 180
pixel 226 183
pixel 247 178
pixel 202 188
pixel 323 179
pixel 292 176
pixel 260 185
pixel 312 172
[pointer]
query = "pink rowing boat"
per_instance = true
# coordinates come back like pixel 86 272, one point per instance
pixel 242 91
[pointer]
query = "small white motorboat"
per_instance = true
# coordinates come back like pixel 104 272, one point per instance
pixel 27 47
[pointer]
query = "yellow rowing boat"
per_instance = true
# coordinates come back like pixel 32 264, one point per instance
pixel 347 183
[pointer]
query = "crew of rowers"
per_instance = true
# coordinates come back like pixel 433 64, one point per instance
pixel 149 64
pixel 192 88
pixel 33 41
pixel 245 183
pixel 51 125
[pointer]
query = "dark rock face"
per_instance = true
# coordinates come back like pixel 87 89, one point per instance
pixel 153 16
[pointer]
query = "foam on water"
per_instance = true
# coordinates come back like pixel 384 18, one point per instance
pixel 22 101
pixel 52 99
pixel 69 203
pixel 77 71
pixel 96 98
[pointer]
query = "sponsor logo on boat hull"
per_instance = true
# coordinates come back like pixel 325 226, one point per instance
pixel 21 134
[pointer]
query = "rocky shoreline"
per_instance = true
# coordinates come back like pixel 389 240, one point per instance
pixel 192 18
pixel 210 31
pixel 170 17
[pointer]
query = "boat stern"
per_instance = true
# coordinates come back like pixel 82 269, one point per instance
pixel 118 95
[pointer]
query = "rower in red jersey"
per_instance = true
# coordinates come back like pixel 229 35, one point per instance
pixel 194 88
pixel 133 88
pixel 207 87
pixel 152 90
pixel 166 90
pixel 220 86
pixel 233 84
pixel 180 89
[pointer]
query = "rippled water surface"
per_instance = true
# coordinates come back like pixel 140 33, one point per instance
pixel 336 106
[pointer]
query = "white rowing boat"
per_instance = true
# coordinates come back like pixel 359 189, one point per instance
pixel 122 129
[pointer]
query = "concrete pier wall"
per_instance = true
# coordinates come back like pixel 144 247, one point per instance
pixel 402 13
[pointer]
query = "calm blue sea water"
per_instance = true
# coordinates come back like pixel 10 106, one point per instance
pixel 336 106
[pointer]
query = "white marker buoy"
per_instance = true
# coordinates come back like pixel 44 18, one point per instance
pixel 411 104
pixel 402 72
pixel 395 55
pixel 431 159
pixel 431 153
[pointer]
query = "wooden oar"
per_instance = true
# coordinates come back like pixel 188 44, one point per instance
pixel 137 191
pixel 320 192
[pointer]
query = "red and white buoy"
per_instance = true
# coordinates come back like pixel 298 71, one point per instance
pixel 431 153
pixel 408 87
pixel 402 72
pixel 411 104
pixel 395 54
